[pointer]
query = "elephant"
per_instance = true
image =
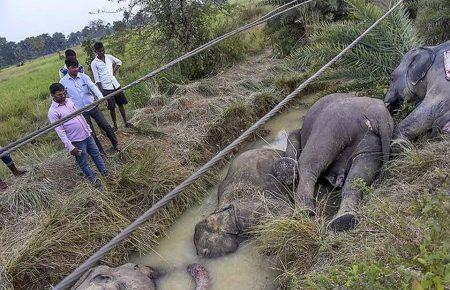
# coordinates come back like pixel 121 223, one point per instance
pixel 132 276
pixel 421 78
pixel 344 137
pixel 245 196
pixel 128 276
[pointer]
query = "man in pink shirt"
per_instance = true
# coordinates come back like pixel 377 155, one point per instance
pixel 75 133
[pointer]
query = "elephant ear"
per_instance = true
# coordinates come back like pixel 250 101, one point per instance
pixel 421 63
pixel 82 279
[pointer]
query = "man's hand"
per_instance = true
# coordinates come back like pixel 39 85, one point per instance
pixel 115 69
pixel 76 152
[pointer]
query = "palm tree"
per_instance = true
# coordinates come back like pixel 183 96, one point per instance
pixel 370 63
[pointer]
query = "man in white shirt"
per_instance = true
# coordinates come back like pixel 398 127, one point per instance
pixel 104 68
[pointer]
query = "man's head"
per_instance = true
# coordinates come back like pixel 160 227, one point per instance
pixel 72 65
pixel 70 52
pixel 99 49
pixel 58 92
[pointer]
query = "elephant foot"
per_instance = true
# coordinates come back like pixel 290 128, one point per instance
pixel 343 222
pixel 285 170
pixel 307 206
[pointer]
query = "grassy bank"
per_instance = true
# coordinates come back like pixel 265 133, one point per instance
pixel 52 221
pixel 401 242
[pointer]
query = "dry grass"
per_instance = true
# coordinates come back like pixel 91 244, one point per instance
pixel 402 239
pixel 52 221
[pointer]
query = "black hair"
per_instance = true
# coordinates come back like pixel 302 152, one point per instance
pixel 98 45
pixel 56 87
pixel 71 61
pixel 70 52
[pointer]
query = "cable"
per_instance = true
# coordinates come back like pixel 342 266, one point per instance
pixel 30 137
pixel 66 282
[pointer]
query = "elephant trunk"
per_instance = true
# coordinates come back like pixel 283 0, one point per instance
pixel 200 275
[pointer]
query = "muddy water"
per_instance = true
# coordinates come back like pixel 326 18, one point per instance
pixel 243 270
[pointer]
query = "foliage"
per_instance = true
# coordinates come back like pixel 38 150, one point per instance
pixel 289 30
pixel 433 21
pixel 44 44
pixel 371 62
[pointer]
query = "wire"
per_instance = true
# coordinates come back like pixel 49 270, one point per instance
pixel 66 282
pixel 30 137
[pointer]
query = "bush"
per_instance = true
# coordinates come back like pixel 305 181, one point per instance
pixel 433 21
pixel 371 62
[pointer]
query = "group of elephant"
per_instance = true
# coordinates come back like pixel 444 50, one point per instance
pixel 344 137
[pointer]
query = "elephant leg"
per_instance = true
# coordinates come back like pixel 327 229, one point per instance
pixel 318 153
pixel 441 125
pixel 293 147
pixel 420 120
pixel 285 169
pixel 365 166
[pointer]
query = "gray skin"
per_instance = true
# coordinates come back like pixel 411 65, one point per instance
pixel 128 276
pixel 420 78
pixel 240 204
pixel 344 137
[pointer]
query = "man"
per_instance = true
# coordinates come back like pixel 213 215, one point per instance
pixel 104 68
pixel 80 89
pixel 10 164
pixel 63 70
pixel 75 133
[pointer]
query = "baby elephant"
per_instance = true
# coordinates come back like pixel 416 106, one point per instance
pixel 245 195
pixel 344 137
pixel 421 79
pixel 128 276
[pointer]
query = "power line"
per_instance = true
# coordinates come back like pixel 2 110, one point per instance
pixel 30 137
pixel 66 282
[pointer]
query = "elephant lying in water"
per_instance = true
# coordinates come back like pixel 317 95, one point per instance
pixel 344 137
pixel 421 78
pixel 132 276
pixel 128 276
pixel 245 195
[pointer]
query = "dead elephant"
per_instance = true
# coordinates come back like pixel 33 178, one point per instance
pixel 132 276
pixel 344 138
pixel 421 78
pixel 128 276
pixel 244 196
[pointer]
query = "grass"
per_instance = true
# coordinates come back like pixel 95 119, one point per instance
pixel 401 242
pixel 52 220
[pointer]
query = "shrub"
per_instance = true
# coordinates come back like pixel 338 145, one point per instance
pixel 371 62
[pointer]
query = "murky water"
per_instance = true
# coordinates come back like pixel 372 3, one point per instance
pixel 242 270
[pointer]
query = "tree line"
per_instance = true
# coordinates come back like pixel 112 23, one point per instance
pixel 35 46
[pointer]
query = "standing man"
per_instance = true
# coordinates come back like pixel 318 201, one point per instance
pixel 80 89
pixel 10 164
pixel 64 70
pixel 75 133
pixel 104 68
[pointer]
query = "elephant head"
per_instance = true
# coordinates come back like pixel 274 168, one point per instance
pixel 408 79
pixel 217 235
pixel 128 276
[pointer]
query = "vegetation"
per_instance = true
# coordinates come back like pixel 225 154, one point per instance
pixel 51 221
pixel 368 66
pixel 401 242
pixel 433 20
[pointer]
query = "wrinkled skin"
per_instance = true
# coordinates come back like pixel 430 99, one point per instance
pixel 129 276
pixel 343 138
pixel 420 79
pixel 241 204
